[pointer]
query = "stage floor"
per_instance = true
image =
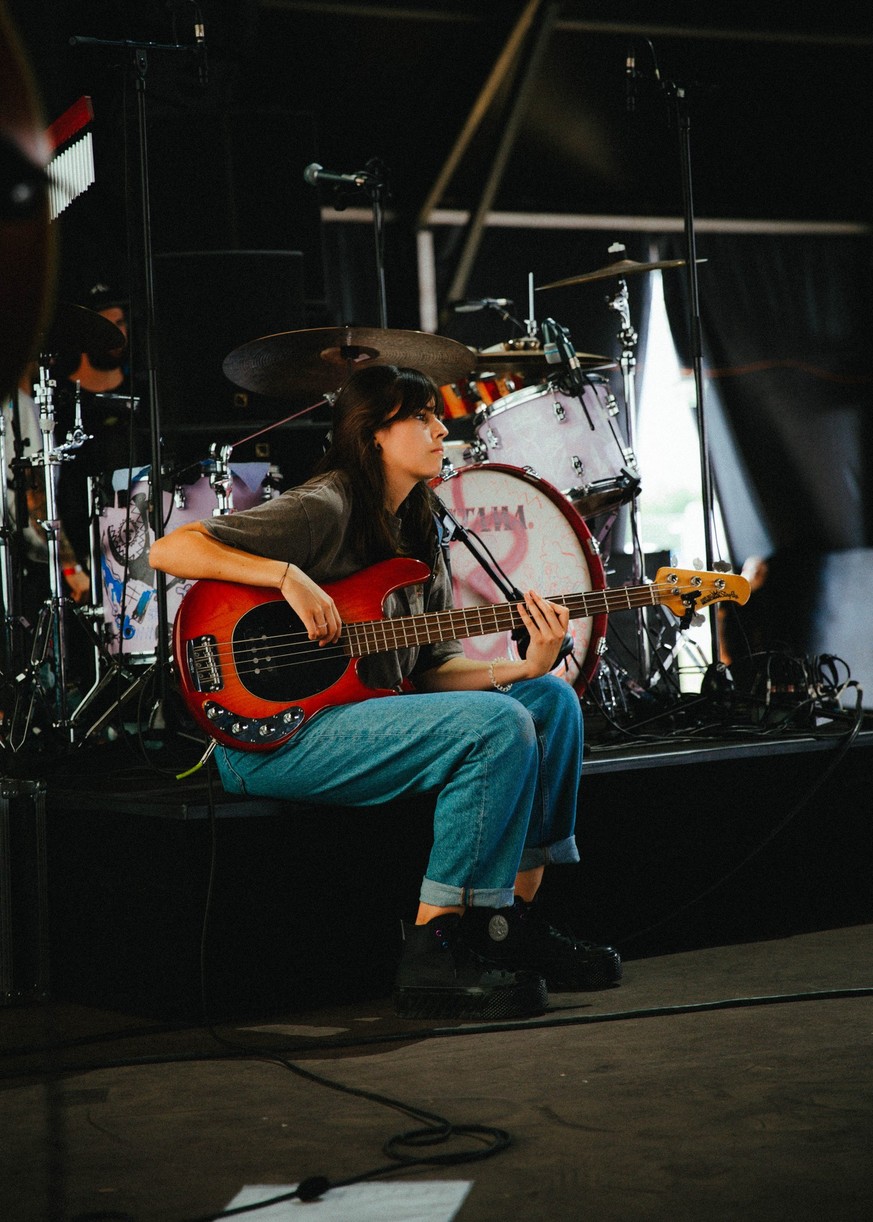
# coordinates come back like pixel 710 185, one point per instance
pixel 719 1083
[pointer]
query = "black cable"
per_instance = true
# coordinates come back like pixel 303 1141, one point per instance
pixel 354 1043
pixel 437 1129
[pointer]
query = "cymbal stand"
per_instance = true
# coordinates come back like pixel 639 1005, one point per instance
pixel 51 631
pixel 628 362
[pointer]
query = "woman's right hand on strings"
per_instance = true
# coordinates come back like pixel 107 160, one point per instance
pixel 315 607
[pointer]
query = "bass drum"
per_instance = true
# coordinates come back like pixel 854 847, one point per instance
pixel 539 541
pixel 126 536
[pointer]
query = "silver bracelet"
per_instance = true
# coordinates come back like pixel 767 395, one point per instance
pixel 500 687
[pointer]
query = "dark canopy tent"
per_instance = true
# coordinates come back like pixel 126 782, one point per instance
pixel 780 118
pixel 787 352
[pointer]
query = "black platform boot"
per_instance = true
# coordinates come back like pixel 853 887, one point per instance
pixel 521 939
pixel 439 978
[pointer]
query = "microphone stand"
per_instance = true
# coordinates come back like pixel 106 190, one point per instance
pixel 377 191
pixel 139 53
pixel 676 95
pixel 451 528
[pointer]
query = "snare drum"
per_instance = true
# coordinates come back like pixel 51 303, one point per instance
pixel 539 541
pixel 126 536
pixel 574 443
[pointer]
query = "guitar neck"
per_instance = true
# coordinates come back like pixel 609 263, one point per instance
pixel 379 636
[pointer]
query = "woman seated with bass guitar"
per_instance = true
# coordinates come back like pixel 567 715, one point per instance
pixel 499 743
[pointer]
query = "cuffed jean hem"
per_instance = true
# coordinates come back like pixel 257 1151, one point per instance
pixel 441 895
pixel 562 853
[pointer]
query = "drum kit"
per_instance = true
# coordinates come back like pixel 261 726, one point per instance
pixel 547 457
pixel 117 621
pixel 547 464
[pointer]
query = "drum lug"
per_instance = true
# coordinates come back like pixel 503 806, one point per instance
pixel 492 439
pixel 600 647
pixel 593 546
pixel 611 405
pixel 531 471
pixel 476 452
pixel 578 465
pixel 558 409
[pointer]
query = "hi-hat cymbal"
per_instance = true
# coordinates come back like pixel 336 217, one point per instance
pixel 319 360
pixel 76 329
pixel 624 267
pixel 521 358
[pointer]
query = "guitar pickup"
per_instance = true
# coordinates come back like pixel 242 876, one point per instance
pixel 204 667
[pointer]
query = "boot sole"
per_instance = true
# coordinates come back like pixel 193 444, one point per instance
pixel 518 1001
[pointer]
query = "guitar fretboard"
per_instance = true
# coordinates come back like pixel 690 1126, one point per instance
pixel 379 636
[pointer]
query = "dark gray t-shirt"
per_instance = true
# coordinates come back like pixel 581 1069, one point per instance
pixel 309 526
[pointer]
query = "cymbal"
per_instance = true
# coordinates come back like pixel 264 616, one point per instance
pixel 76 329
pixel 504 355
pixel 624 267
pixel 320 360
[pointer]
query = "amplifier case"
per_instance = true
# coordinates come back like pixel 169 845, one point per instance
pixel 23 892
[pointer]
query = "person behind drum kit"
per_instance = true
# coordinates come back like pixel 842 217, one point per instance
pixel 99 383
pixel 499 743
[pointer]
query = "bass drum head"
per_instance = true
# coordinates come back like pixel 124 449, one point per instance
pixel 538 540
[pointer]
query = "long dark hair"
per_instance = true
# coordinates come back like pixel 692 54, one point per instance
pixel 362 406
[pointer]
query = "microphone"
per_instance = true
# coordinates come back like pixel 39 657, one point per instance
pixel 315 174
pixel 481 303
pixel 559 350
pixel 630 73
pixel 551 352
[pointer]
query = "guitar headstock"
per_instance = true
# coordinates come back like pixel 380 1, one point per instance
pixel 684 590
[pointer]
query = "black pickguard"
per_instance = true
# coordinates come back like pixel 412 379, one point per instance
pixel 271 666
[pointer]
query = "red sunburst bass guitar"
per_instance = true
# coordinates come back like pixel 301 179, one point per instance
pixel 251 676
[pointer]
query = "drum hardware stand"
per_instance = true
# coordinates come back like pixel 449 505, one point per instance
pixel 530 323
pixel 50 633
pixel 221 478
pixel 114 666
pixel 628 362
pixel 7 587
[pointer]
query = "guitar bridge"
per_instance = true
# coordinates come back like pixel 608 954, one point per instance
pixel 203 665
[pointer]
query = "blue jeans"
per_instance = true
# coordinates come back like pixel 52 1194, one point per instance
pixel 505 769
